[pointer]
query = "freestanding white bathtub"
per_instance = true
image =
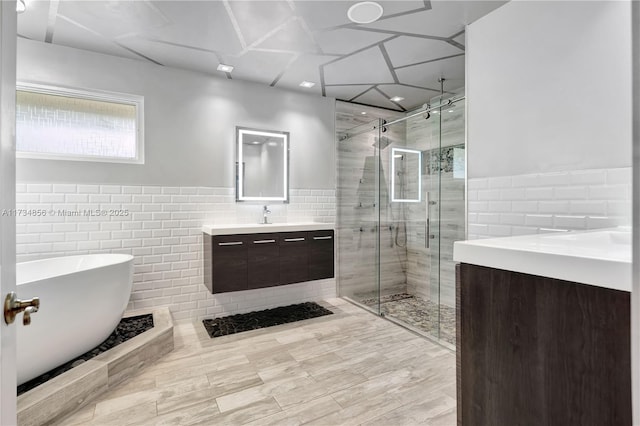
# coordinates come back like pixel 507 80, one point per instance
pixel 82 299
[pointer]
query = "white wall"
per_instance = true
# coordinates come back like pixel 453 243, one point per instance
pixel 549 88
pixel 190 121
pixel 549 118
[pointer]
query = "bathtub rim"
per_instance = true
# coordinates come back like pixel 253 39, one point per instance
pixel 123 258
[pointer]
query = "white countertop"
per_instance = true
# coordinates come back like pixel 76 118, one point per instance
pixel 600 257
pixel 253 228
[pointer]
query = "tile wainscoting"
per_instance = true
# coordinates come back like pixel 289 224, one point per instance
pixel 544 202
pixel 163 232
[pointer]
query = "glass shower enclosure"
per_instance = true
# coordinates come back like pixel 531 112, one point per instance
pixel 401 189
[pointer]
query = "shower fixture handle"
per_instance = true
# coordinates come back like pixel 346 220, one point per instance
pixel 13 306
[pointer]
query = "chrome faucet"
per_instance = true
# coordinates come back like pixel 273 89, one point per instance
pixel 265 212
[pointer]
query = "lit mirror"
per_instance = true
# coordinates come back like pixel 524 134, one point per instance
pixel 406 176
pixel 262 165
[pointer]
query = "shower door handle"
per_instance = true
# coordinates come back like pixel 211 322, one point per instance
pixel 427 231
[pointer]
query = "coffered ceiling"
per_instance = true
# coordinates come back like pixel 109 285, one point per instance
pixel 277 43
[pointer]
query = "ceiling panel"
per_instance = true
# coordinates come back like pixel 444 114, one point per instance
pixel 33 25
pixel 261 67
pixel 343 41
pixel 202 24
pixel 173 56
pixel 113 18
pixel 346 93
pixel 291 37
pixel 306 67
pixel 256 19
pixel 367 66
pixel 426 75
pixel 329 14
pixel 445 18
pixel 69 34
pixel 373 97
pixel 411 50
pixel 412 96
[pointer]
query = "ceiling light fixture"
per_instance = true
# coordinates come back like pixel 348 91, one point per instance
pixel 225 68
pixel 397 99
pixel 365 12
pixel 363 113
pixel 307 84
pixel 21 6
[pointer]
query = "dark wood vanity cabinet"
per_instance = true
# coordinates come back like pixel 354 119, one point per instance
pixel 541 351
pixel 249 261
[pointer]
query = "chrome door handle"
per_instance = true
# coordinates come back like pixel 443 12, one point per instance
pixel 288 240
pixel 322 238
pixel 13 306
pixel 235 243
pixel 264 241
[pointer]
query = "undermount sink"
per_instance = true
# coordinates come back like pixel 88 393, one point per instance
pixel 249 228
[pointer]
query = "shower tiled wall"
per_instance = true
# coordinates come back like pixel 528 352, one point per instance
pixel 546 202
pixel 162 230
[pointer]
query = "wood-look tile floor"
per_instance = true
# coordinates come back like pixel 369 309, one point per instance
pixel 350 368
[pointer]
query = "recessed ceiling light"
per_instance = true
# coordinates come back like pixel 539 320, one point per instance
pixel 225 68
pixel 450 110
pixel 365 12
pixel 397 99
pixel 255 143
pixel 307 84
pixel 363 113
pixel 435 112
pixel 21 6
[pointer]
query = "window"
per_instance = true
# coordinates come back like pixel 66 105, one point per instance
pixel 69 124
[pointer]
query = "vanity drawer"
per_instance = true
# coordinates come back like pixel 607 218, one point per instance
pixel 293 257
pixel 229 263
pixel 320 252
pixel 263 260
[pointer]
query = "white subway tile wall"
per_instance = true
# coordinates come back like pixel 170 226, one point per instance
pixel 545 202
pixel 163 232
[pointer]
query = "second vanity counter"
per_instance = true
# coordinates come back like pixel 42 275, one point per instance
pixel 599 257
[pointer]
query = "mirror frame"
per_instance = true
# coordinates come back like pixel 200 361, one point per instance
pixel 240 132
pixel 393 175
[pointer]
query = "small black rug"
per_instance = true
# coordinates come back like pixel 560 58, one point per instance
pixel 260 319
pixel 125 330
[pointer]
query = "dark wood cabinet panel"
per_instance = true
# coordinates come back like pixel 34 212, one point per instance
pixel 293 257
pixel 263 260
pixel 229 263
pixel 536 350
pixel 320 251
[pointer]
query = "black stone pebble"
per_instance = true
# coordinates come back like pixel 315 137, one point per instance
pixel 128 328
pixel 261 319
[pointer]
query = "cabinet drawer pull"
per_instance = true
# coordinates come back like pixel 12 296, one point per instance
pixel 264 241
pixel 323 238
pixel 234 243
pixel 289 240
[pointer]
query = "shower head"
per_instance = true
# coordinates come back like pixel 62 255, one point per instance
pixel 381 142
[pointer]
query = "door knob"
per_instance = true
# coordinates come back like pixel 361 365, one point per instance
pixel 13 306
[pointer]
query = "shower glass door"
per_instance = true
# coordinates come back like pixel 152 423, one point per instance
pixel 400 208
pixel 359 215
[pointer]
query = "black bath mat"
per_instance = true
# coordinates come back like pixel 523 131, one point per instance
pixel 260 319
pixel 127 328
